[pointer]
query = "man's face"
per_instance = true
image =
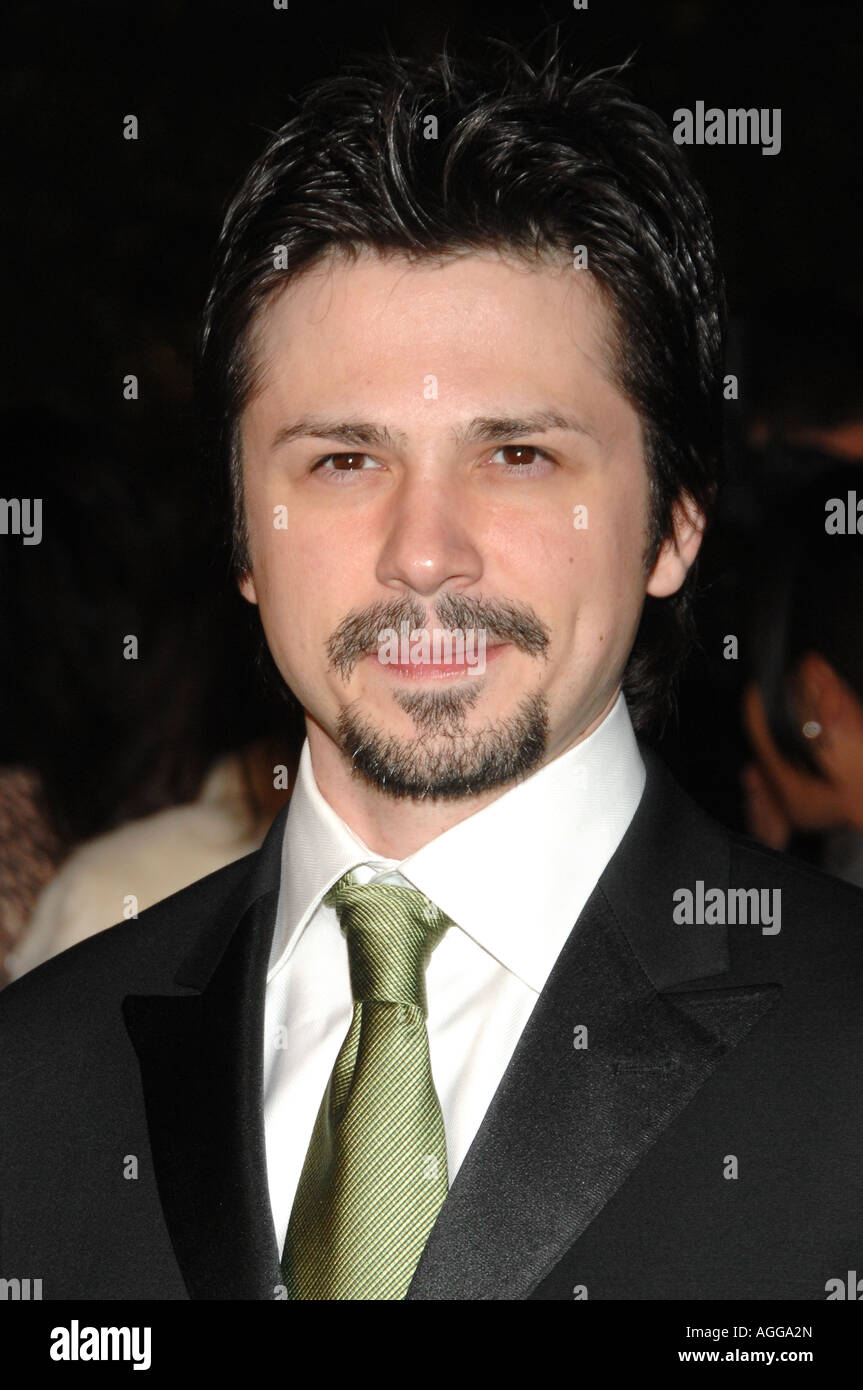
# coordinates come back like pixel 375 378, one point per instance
pixel 440 449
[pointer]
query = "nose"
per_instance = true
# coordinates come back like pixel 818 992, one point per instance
pixel 427 543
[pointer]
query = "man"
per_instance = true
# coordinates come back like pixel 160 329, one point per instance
pixel 496 1012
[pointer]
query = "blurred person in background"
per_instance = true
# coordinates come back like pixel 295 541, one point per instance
pixel 128 869
pixel 30 851
pixel 798 359
pixel 803 706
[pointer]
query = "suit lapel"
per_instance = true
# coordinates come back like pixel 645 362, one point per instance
pixel 569 1123
pixel 200 1054
pixel 566 1126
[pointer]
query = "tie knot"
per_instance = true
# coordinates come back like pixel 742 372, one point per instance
pixel 391 933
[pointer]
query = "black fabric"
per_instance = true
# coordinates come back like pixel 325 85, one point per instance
pixel 598 1171
pixel 202 1070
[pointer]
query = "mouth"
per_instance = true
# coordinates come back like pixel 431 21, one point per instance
pixel 439 670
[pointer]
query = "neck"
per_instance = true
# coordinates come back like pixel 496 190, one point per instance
pixel 396 827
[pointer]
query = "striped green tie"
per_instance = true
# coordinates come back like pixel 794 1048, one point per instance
pixel 375 1175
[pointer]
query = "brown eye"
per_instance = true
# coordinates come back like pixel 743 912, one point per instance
pixel 515 454
pixel 346 462
pixel 525 458
pixel 345 465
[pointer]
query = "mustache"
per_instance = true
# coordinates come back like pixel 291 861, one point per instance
pixel 502 621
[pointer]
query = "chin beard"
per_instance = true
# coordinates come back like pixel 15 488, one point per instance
pixel 446 760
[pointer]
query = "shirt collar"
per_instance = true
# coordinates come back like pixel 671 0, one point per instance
pixel 317 849
pixel 514 876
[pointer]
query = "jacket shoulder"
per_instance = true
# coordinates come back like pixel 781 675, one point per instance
pixel 783 918
pixel 140 955
pixel 811 893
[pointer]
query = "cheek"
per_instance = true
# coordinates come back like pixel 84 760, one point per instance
pixel 308 578
pixel 618 548
pixel 595 594
pixel 597 559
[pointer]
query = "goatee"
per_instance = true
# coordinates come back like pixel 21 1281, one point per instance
pixel 444 761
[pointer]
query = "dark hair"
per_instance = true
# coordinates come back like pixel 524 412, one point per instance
pixel 529 161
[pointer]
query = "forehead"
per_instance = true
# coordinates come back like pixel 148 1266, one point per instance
pixel 474 324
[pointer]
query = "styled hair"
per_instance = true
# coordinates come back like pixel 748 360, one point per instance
pixel 430 158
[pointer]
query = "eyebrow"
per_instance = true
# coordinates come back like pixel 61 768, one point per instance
pixel 482 429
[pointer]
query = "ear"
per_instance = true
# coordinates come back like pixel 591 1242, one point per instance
pixel 809 802
pixel 678 550
pixel 821 696
pixel 246 586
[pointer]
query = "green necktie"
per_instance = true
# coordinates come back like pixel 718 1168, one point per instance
pixel 375 1175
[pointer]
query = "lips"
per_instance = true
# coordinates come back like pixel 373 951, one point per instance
pixel 439 670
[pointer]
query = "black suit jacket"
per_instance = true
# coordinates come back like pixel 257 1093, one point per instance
pixel 132 1160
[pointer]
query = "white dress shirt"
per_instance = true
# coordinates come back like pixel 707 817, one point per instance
pixel 513 877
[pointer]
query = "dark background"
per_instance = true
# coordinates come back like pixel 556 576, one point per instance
pixel 107 246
